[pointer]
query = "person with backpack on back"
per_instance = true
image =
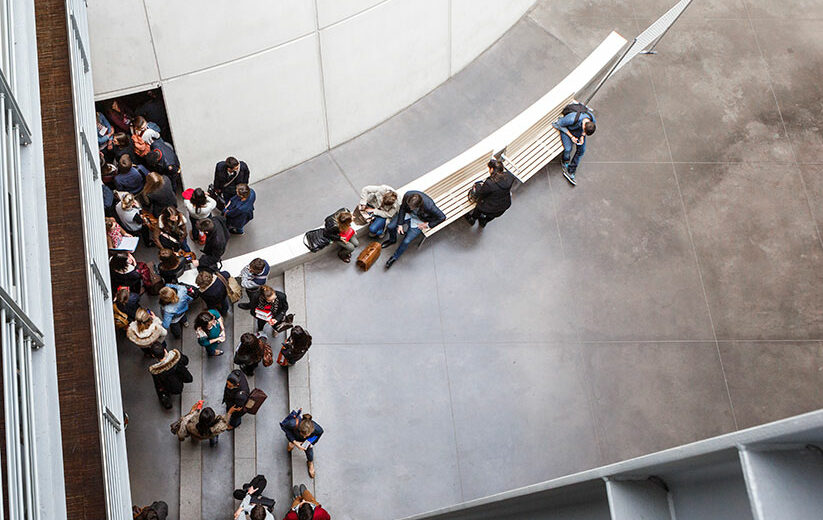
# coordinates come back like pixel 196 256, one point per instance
pixel 577 120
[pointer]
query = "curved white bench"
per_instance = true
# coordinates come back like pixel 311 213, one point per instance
pixel 528 142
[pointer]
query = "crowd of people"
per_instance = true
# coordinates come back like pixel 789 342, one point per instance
pixel 142 189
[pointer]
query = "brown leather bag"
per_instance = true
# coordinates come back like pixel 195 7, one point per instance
pixel 268 355
pixel 256 399
pixel 369 256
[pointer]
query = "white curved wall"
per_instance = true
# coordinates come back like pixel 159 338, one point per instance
pixel 275 82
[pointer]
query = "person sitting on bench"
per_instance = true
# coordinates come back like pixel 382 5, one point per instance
pixel 576 120
pixel 417 213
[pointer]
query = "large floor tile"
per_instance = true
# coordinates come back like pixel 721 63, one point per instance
pixel 635 275
pixel 700 10
pixel 793 51
pixel 345 305
pixel 652 396
pixel 715 96
pixel 528 422
pixel 799 9
pixel 389 432
pixel 771 381
pixel 760 256
pixel 599 20
pixel 293 202
pixel 509 281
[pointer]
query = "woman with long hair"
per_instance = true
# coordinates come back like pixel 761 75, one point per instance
pixel 295 347
pixel 171 230
pixel 271 307
pixel 200 424
pixel 342 233
pixel 211 332
pixel 200 206
pixel 145 330
pixel 249 353
pixel 158 193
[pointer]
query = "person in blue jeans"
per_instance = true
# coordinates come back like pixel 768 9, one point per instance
pixel 174 303
pixel 381 203
pixel 302 433
pixel 576 123
pixel 417 213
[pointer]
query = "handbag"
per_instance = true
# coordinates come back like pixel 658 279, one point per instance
pixel 268 355
pixel 361 216
pixel 256 398
pixel 316 239
pixel 472 193
pixel 175 426
pixel 233 288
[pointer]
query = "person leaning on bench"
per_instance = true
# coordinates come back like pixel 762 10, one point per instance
pixel 576 120
pixel 417 213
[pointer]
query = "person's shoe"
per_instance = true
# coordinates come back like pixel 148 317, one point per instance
pixel 185 324
pixel 217 353
pixel 245 306
pixel 239 494
pixel 469 219
pixel 310 465
pixel 236 231
pixel 483 223
pixel 303 489
pixel 295 491
pixel 569 177
pixel 165 400
pixel 390 262
pixel 289 318
pixel 564 166
pixel 289 447
pixel 386 243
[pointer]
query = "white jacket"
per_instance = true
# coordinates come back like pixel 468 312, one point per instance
pixel 373 196
pixel 200 213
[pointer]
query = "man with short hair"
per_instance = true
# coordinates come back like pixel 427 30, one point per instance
pixel 213 291
pixel 252 278
pixel 253 511
pixel 577 119
pixel 227 175
pixel 128 178
pixel 417 213
pixel 163 160
pixel 305 506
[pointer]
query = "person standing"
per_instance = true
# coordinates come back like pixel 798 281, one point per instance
pixel 240 209
pixel 305 507
pixel 200 206
pixel 169 373
pixel 213 290
pixel 381 203
pixel 217 237
pixel 125 305
pixel 158 510
pixel 174 301
pixel 211 332
pixel 128 178
pixel 271 307
pixel 171 230
pixel 172 265
pixel 124 273
pixel 158 194
pixel 295 347
pixel 494 195
pixel 417 213
pixel 576 120
pixel 302 433
pixel 228 175
pixel 146 330
pixel 249 353
pixel 252 278
pixel 202 423
pixel 235 395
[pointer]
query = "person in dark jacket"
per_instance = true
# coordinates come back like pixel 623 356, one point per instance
pixel 417 213
pixel 295 347
pixel 228 175
pixel 302 433
pixel 271 307
pixel 128 178
pixel 249 353
pixel 240 209
pixel 158 510
pixel 213 291
pixel 252 278
pixel 123 272
pixel 169 373
pixel 158 194
pixel 126 301
pixel 163 160
pixel 235 395
pixel 217 237
pixel 494 195
pixel 172 265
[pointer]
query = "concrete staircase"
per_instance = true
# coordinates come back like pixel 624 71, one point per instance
pixel 209 474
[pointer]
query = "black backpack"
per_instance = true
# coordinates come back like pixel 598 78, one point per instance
pixel 577 108
pixel 316 240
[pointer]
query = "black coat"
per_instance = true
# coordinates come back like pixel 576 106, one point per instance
pixel 216 242
pixel 239 395
pixel 171 373
pixel 428 212
pixel 222 178
pixel 216 293
pixel 495 197
pixel 132 280
pixel 162 198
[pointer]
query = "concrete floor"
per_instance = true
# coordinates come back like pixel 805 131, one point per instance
pixel 672 296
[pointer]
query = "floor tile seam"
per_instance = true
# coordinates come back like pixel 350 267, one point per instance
pixel 693 248
pixel 454 422
pixel 553 198
pixel 785 127
pixel 530 19
pixel 343 173
pixel 589 394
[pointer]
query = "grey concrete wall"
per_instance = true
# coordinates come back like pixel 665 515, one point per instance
pixel 276 83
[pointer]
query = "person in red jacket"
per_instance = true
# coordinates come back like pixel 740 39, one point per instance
pixel 305 507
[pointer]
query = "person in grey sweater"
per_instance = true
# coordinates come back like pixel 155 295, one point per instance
pixel 252 278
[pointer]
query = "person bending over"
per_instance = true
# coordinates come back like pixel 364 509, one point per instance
pixel 417 213
pixel 577 120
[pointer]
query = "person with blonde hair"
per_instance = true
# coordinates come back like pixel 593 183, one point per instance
pixel 128 212
pixel 145 330
pixel 174 303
